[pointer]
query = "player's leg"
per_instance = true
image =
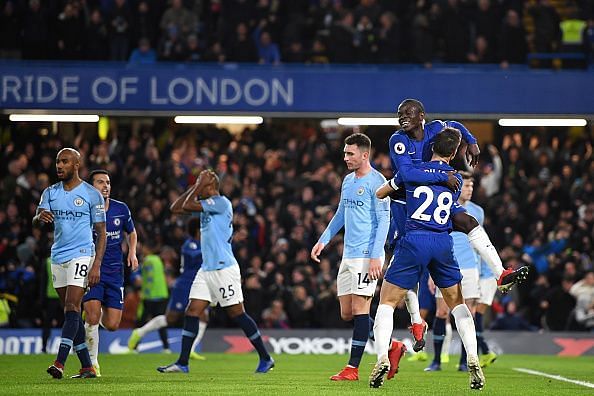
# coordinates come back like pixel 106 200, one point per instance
pixel 471 293
pixel 202 324
pixel 480 241
pixel 439 331
pixel 447 342
pixel 92 309
pixel 488 288
pixel 465 326
pixel 445 271
pixel 157 322
pixel 189 332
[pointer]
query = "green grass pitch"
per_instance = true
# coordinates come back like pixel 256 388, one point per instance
pixel 303 375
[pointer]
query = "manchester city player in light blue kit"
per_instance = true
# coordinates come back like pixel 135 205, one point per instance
pixel 76 209
pixel 469 262
pixel 427 244
pixel 218 281
pixel 104 302
pixel 366 220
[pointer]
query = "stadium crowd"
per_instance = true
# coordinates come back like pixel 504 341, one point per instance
pixel 284 182
pixel 296 31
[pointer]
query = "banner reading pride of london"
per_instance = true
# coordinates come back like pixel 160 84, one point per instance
pixel 185 88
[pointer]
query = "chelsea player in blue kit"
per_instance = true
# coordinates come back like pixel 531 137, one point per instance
pixel 218 281
pixel 104 302
pixel 365 219
pixel 76 209
pixel 409 146
pixel 191 261
pixel 427 244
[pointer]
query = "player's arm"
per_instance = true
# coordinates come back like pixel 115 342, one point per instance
pixel 382 215
pixel 406 169
pixel 177 206
pixel 332 228
pixel 132 239
pixel 43 214
pixel 472 151
pixel 98 219
pixel 386 189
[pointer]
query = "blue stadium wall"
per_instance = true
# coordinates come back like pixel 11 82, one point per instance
pixel 169 88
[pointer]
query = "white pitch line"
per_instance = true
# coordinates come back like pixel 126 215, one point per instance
pixel 556 377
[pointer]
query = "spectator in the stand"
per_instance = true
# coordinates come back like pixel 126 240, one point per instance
pixel 388 38
pixel 177 15
pixel 546 26
pixel 241 48
pixel 144 54
pixel 341 44
pixel 268 52
pixel 193 52
pixel 512 40
pixel 275 317
pixel 491 177
pixel 143 23
pixel 10 29
pixel 172 47
pixel 510 320
pixel 422 38
pixel 487 22
pixel 96 37
pixel 300 308
pixel 119 25
pixel 295 53
pixel 583 291
pixel 70 32
pixel 559 304
pixel 215 53
pixel 35 32
pixel 481 52
pixel 319 53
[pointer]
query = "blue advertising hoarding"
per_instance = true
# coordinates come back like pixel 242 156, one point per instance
pixel 184 88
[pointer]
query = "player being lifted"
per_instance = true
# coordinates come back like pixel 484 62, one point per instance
pixel 427 244
pixel 76 209
pixel 104 302
pixel 191 260
pixel 411 145
pixel 218 281
pixel 365 219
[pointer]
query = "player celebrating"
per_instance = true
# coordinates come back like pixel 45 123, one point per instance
pixel 411 145
pixel 218 281
pixel 365 219
pixel 468 261
pixel 191 260
pixel 76 209
pixel 104 302
pixel 427 244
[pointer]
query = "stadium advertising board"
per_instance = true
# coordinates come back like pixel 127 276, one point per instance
pixel 183 88
pixel 296 342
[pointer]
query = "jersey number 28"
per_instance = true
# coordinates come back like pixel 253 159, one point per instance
pixel 441 214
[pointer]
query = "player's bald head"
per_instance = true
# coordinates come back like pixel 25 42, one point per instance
pixel 70 152
pixel 413 102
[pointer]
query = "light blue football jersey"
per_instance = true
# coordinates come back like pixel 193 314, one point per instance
pixel 216 228
pixel 467 257
pixel 365 218
pixel 75 212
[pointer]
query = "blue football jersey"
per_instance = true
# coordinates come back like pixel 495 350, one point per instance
pixel 365 218
pixel 406 152
pixel 429 208
pixel 118 220
pixel 75 212
pixel 216 227
pixel 191 256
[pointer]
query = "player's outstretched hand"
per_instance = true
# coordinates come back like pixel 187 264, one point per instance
pixel 375 268
pixel 472 154
pixel 453 182
pixel 316 250
pixel 46 216
pixel 132 262
pixel 94 275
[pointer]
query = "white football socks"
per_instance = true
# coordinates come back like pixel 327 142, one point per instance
pixel 447 340
pixel 92 341
pixel 382 328
pixel 154 324
pixel 482 244
pixel 412 306
pixel 465 326
pixel 201 329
